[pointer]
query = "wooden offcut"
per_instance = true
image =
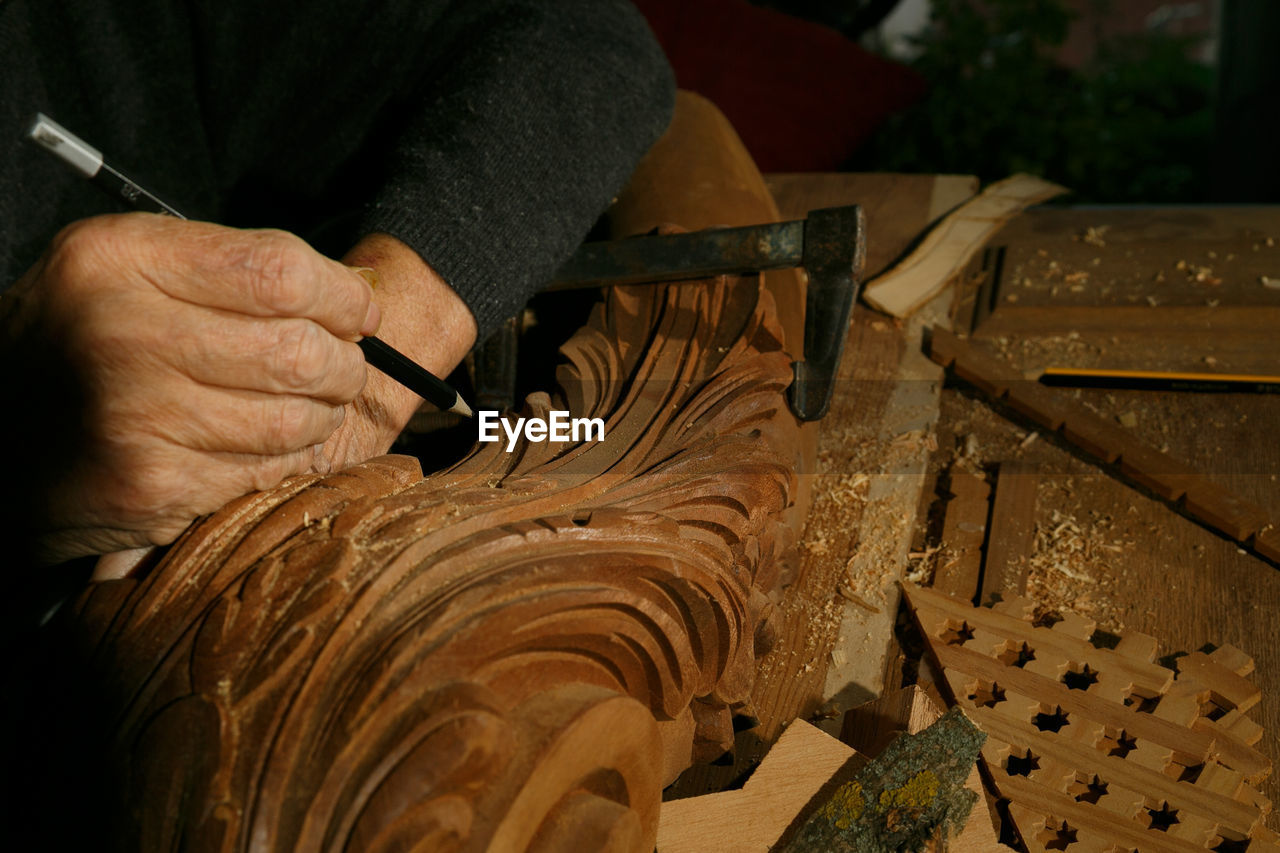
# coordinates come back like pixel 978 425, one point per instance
pixel 1011 541
pixel 949 246
pixel 753 818
pixel 964 530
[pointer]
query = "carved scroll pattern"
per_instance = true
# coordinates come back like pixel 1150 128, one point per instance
pixel 498 656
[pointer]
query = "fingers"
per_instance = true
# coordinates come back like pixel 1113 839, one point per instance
pixel 263 273
pixel 225 420
pixel 284 356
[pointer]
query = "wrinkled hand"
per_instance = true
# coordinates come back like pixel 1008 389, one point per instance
pixel 424 319
pixel 205 361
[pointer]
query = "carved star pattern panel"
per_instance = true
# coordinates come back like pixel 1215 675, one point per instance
pixel 1101 750
pixel 517 652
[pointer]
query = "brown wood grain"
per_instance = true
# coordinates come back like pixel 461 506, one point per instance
pixel 964 530
pixel 1157 569
pixel 1011 539
pixel 1048 735
pixel 1224 510
pixel 751 819
pixel 806 621
pixel 1175 257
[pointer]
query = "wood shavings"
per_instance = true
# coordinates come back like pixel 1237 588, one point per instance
pixel 1197 273
pixel 1072 566
pixel 1093 235
pixel 921 565
pixel 849 595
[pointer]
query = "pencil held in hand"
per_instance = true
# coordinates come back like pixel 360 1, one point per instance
pixel 89 162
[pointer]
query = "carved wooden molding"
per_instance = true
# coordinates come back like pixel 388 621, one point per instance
pixel 504 655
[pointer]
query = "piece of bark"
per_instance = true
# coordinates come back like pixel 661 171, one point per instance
pixel 753 818
pixel 911 795
pixel 870 728
pixel 949 245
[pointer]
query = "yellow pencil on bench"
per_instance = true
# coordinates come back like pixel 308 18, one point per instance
pixel 1160 380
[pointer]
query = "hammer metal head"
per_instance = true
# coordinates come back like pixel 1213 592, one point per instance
pixel 834 249
pixel 830 244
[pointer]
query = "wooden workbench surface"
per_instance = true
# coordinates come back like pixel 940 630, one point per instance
pixel 1145 288
pixel 1121 287
pixel 841 604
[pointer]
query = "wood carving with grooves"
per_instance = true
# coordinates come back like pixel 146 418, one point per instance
pixel 515 653
pixel 1204 500
pixel 1100 748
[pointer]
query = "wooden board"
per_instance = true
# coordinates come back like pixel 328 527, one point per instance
pixel 829 608
pixel 964 531
pixel 1012 535
pixel 1099 257
pixel 1098 746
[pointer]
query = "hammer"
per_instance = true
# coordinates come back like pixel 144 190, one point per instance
pixel 830 244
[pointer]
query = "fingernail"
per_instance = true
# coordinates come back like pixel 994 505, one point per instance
pixel 369 274
pixel 372 319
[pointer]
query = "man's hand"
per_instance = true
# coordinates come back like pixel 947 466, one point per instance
pixel 424 319
pixel 206 361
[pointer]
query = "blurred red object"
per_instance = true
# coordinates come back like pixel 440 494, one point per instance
pixel 801 95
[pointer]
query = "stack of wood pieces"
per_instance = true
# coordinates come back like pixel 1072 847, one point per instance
pixel 1101 749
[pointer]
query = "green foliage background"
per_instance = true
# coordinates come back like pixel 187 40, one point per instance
pixel 1135 125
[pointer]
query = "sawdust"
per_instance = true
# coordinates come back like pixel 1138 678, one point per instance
pixel 1198 273
pixel 1074 565
pixel 1093 235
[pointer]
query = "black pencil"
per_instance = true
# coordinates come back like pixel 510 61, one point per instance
pixel 1154 380
pixel 89 162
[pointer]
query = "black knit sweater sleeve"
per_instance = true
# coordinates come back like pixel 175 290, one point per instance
pixel 518 141
pixel 488 135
